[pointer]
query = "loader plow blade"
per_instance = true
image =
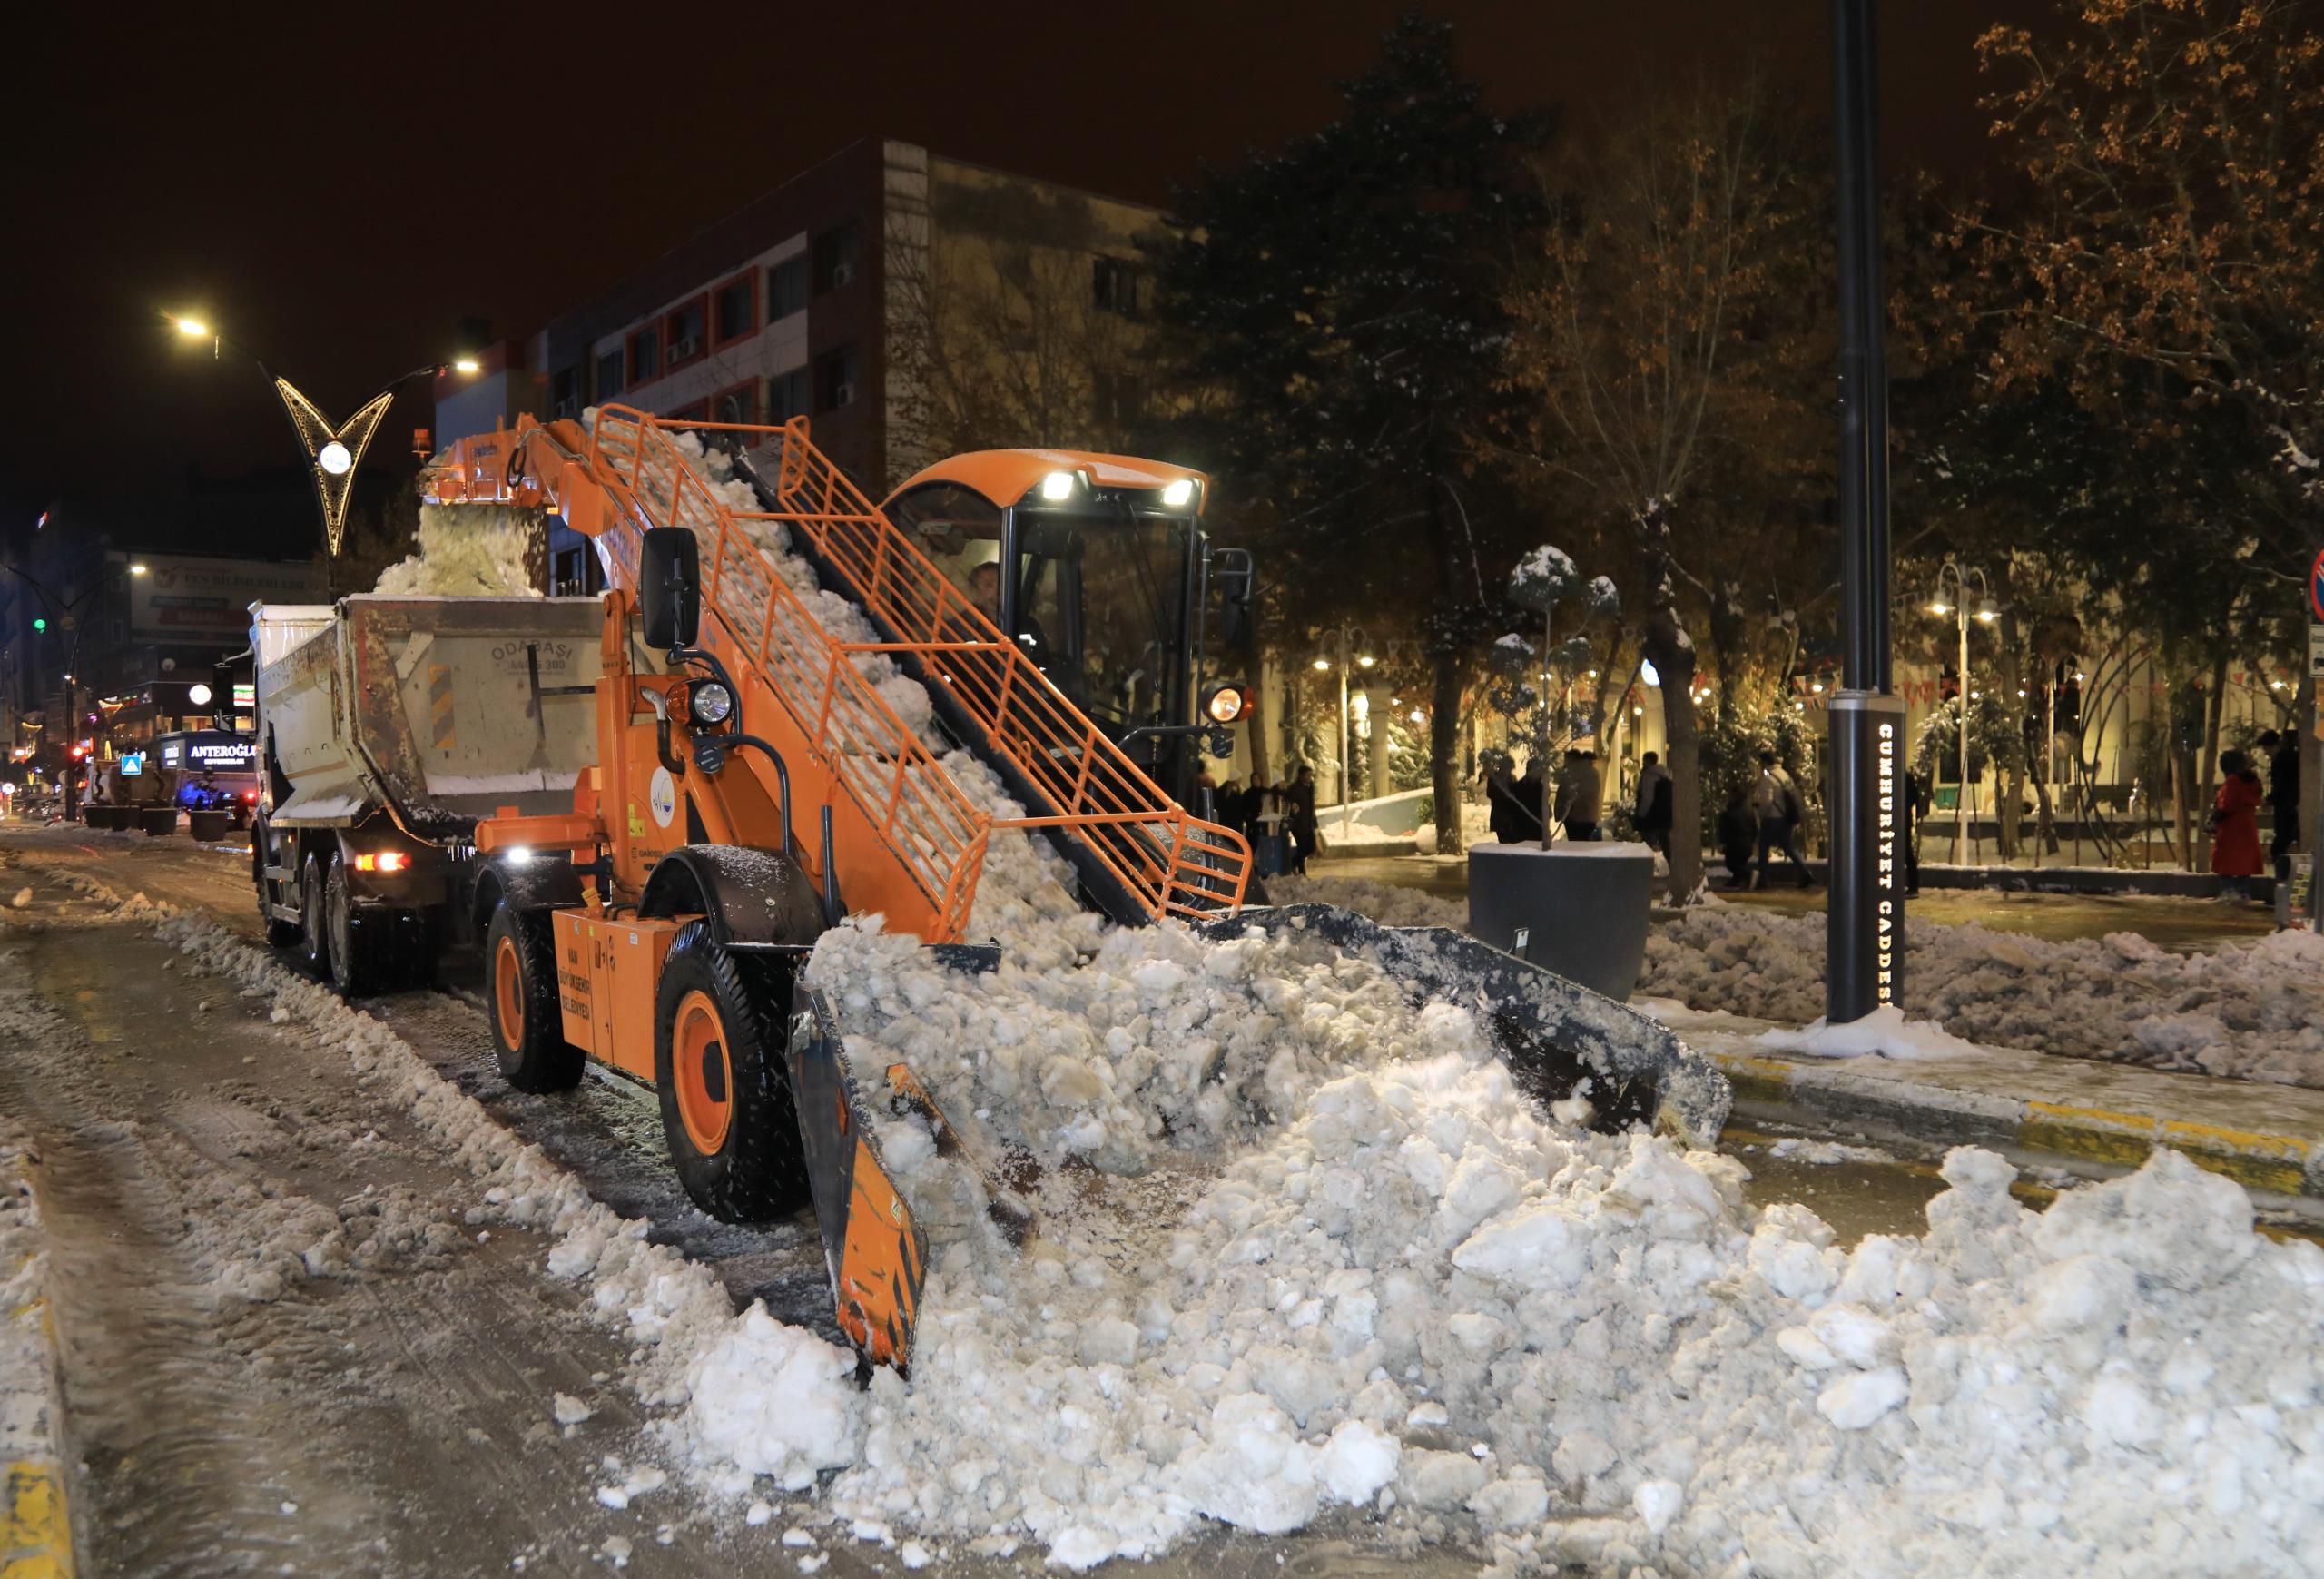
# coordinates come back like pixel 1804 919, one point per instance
pixel 873 1246
pixel 1554 1033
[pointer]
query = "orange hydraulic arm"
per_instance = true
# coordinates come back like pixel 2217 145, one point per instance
pixel 909 842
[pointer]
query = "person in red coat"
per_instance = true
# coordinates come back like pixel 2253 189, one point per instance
pixel 2235 821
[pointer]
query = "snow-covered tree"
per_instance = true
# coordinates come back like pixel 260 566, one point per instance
pixel 1668 339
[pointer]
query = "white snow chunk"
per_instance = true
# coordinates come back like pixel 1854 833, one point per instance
pixel 1357 1461
pixel 569 1410
pixel 1856 1401
pixel 1656 1502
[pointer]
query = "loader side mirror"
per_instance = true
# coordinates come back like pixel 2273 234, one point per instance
pixel 669 587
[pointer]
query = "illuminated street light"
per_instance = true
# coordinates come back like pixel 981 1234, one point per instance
pixel 1987 612
pixel 1323 665
pixel 467 364
pixel 333 450
pixel 137 569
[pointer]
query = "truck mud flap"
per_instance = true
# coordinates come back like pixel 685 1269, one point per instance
pixel 876 1253
pixel 1555 1034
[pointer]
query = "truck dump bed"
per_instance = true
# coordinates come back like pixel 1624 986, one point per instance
pixel 442 710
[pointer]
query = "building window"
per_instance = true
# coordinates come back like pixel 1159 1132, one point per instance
pixel 686 329
pixel 837 375
pixel 609 380
pixel 564 392
pixel 1121 399
pixel 693 412
pixel 839 255
pixel 786 396
pixel 576 572
pixel 739 404
pixel 1118 285
pixel 734 309
pixel 646 355
pixel 786 289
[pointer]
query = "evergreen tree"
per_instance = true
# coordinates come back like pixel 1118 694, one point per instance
pixel 1339 309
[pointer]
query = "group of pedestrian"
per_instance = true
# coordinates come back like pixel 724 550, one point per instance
pixel 2234 819
pixel 1760 821
pixel 1284 809
pixel 1517 805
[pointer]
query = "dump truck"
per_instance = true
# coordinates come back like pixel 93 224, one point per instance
pixel 387 729
pixel 745 785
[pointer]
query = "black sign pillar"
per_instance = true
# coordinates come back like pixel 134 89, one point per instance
pixel 1866 906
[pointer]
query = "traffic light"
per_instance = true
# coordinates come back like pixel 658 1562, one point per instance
pixel 39 625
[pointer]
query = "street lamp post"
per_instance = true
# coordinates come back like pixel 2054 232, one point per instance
pixel 1987 612
pixel 1864 911
pixel 67 612
pixel 1350 646
pixel 333 450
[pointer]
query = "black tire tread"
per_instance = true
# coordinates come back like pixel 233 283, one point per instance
pixel 314 930
pixel 546 1062
pixel 365 961
pixel 761 1174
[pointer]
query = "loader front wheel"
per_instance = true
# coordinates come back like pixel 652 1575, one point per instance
pixel 520 981
pixel 719 1027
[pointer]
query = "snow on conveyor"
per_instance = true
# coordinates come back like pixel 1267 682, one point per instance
pixel 1302 1245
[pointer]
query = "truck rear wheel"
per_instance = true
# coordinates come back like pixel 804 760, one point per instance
pixel 314 934
pixel 280 933
pixel 520 985
pixel 365 955
pixel 720 1024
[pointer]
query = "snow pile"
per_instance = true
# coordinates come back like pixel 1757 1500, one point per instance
pixel 1389 903
pixel 1883 1034
pixel 1361 1270
pixel 2253 1010
pixel 468 551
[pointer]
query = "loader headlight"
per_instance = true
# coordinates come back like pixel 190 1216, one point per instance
pixel 708 701
pixel 1057 487
pixel 1180 494
pixel 1224 704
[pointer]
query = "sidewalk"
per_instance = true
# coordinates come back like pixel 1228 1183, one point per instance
pixel 2267 1138
pixel 35 1528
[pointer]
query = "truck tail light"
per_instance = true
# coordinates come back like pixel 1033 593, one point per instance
pixel 383 861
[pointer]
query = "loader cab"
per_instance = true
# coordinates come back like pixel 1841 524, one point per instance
pixel 1096 566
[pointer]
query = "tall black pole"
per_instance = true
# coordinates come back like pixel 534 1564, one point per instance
pixel 1867 911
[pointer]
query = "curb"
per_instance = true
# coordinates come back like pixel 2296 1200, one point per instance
pixel 36 1515
pixel 1781 1089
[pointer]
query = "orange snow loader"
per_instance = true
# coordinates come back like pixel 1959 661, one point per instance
pixel 752 784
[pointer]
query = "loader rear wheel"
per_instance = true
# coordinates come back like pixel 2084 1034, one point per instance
pixel 719 1023
pixel 528 1027
pixel 314 932
pixel 364 954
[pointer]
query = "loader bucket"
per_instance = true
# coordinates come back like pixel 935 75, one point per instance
pixel 1555 1034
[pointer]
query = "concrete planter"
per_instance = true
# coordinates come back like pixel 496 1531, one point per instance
pixel 210 827
pixel 1582 908
pixel 100 818
pixel 159 821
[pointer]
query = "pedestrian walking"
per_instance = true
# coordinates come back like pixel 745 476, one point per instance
pixel 1774 803
pixel 1578 797
pixel 1533 795
pixel 1738 836
pixel 1652 812
pixel 1505 805
pixel 1299 811
pixel 2283 798
pixel 2235 825
pixel 1914 808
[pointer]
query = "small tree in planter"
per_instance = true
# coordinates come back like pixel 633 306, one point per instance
pixel 1544 581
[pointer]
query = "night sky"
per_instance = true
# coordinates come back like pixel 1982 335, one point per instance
pixel 338 193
